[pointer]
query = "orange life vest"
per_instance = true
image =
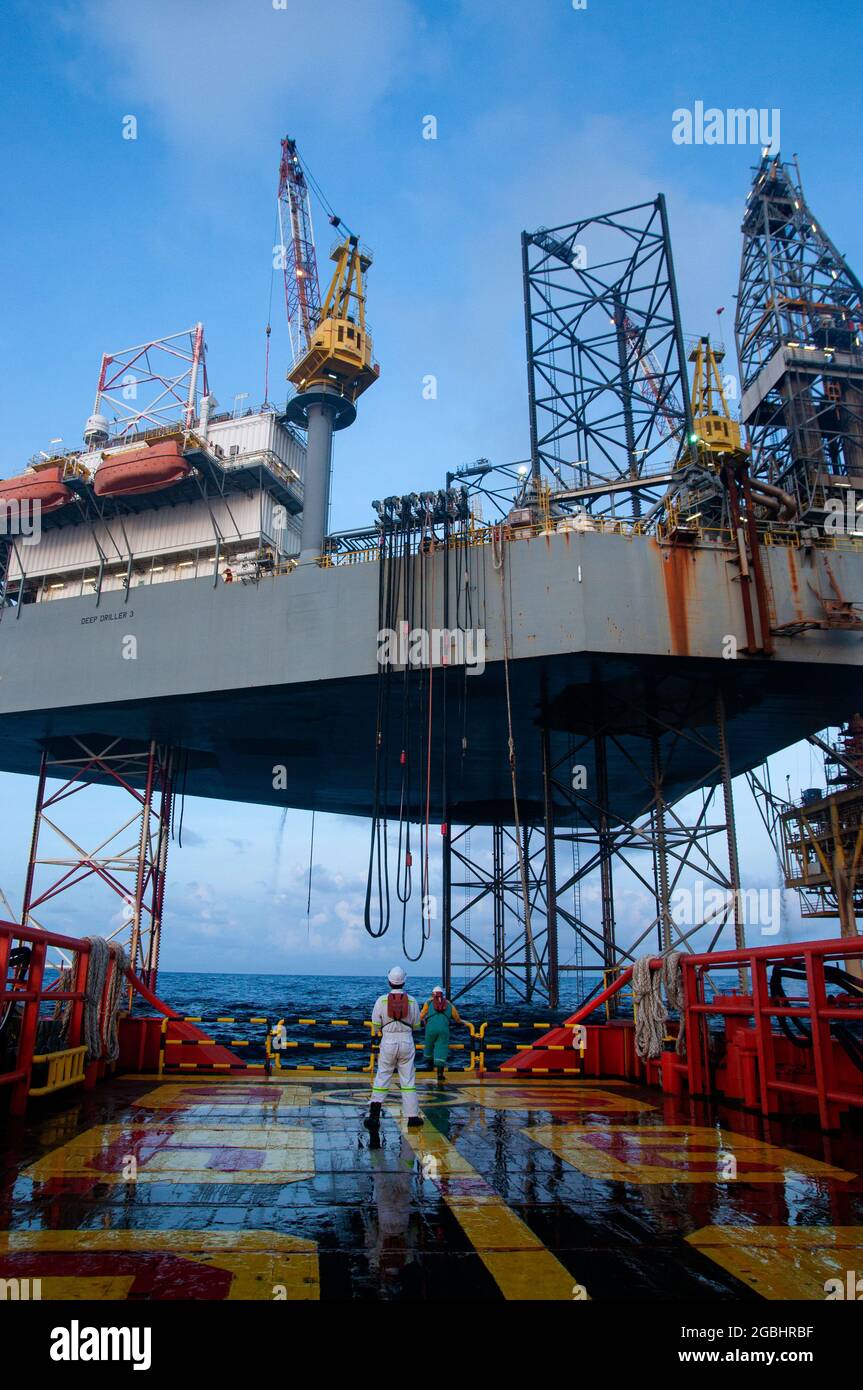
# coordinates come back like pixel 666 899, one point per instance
pixel 398 1008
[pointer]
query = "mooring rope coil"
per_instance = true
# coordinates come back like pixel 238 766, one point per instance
pixel 651 1014
pixel 101 1034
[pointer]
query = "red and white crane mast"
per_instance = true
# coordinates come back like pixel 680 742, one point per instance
pixel 302 291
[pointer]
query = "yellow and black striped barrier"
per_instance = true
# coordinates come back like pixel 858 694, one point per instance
pixel 171 1050
pixel 300 1037
pixel 277 1042
pixel 498 1042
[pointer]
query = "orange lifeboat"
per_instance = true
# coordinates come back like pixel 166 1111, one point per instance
pixel 141 468
pixel 43 483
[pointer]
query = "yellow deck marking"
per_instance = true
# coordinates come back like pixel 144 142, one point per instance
pixel 784 1262
pixel 552 1096
pixel 675 1153
pixel 251 1154
pixel 258 1260
pixel 181 1095
pixel 516 1259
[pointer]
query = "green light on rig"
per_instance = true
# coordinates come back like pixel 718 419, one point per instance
pixel 693 439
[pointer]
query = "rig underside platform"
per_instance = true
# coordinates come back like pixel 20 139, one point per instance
pixel 604 633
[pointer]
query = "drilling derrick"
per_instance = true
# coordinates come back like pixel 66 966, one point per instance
pixel 799 346
pixel 335 363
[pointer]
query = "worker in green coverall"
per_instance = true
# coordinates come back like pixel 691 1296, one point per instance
pixel 437 1013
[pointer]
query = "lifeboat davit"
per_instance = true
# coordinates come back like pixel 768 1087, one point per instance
pixel 43 484
pixel 141 468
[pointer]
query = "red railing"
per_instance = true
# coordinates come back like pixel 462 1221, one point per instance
pixel 829 1094
pixel 30 992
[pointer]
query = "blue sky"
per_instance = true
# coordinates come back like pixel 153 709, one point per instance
pixel 545 113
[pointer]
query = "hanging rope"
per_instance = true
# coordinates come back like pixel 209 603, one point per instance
pixel 429 627
pixel 268 330
pixel 498 554
pixel 100 1025
pixel 177 828
pixel 311 861
pixel 63 1007
pixel 651 1014
pixel 378 881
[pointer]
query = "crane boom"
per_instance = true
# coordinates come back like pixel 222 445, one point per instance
pixel 670 413
pixel 299 261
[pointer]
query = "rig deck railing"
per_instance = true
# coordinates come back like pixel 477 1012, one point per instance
pixel 814 1009
pixel 28 991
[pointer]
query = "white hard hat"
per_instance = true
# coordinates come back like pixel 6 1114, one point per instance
pixel 396 977
pixel 438 989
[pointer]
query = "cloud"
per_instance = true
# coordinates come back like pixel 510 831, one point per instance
pixel 467 269
pixel 215 73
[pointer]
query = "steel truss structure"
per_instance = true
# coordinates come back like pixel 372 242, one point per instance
pixel 819 840
pixel 486 868
pixel 130 857
pixel 610 415
pixel 297 248
pixel 799 331
pixel 151 385
pixel 681 858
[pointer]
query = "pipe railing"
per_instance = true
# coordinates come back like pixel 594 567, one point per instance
pixel 762 1008
pixel 30 992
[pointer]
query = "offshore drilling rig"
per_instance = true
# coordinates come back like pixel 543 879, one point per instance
pixel 654 594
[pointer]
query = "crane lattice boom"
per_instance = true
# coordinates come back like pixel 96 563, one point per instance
pixel 302 291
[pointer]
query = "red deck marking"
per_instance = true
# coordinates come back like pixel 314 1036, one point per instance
pixel 158 1276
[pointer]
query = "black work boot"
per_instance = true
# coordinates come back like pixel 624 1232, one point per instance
pixel 373 1118
pixel 415 1122
pixel 441 1075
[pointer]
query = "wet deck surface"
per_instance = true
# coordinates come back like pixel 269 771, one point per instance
pixel 198 1188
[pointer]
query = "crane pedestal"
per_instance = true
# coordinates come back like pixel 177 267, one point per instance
pixel 319 412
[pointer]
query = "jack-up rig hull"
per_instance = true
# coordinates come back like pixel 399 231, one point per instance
pixel 656 608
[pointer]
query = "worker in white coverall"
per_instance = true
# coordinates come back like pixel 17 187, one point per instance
pixel 396 1016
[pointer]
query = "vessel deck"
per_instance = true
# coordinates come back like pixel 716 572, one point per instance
pixel 205 1188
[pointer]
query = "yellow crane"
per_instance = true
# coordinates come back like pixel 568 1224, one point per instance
pixel 335 363
pixel 340 347
pixel 716 432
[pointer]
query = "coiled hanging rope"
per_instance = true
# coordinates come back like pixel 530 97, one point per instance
pixel 101 1028
pixel 651 1014
pixel 63 1008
